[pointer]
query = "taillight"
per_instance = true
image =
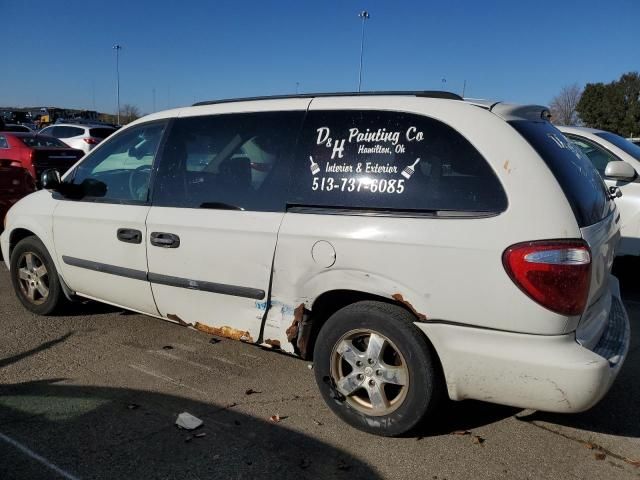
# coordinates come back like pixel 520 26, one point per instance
pixel 10 163
pixel 556 273
pixel 92 141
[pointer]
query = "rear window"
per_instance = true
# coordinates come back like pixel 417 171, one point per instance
pixel 42 141
pixel 582 184
pixel 622 143
pixel 100 132
pixel 378 160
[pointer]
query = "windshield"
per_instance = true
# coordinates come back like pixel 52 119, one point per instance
pixel 622 143
pixel 42 141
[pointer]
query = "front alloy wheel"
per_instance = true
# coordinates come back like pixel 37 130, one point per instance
pixel 33 278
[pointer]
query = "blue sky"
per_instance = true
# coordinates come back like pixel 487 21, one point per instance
pixel 59 53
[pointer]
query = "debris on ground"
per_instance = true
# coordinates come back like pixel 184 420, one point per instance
pixel 478 440
pixel 276 418
pixel 213 341
pixel 304 464
pixel 343 465
pixel 200 435
pixel 167 347
pixel 590 446
pixel 251 391
pixel 188 422
pixel 635 463
pixel 475 439
pixel 600 456
pixel 133 406
pixel 317 422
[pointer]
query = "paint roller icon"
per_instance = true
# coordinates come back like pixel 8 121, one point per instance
pixel 315 168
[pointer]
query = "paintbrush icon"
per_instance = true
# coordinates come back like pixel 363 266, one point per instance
pixel 315 168
pixel 410 170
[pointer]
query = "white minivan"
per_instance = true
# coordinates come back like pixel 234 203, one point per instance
pixel 413 245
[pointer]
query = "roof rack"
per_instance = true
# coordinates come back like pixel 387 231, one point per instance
pixel 425 93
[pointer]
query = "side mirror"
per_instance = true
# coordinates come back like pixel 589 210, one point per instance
pixel 50 179
pixel 619 170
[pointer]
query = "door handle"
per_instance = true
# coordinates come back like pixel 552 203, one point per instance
pixel 129 235
pixel 165 240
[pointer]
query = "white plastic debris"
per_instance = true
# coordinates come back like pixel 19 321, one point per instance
pixel 188 422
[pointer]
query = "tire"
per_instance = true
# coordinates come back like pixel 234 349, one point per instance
pixel 35 278
pixel 393 392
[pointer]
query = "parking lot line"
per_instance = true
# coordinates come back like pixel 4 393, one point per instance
pixel 38 458
pixel 166 378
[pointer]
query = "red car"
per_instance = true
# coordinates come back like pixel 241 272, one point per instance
pixel 37 153
pixel 15 183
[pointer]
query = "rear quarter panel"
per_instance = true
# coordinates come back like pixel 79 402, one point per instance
pixel 447 269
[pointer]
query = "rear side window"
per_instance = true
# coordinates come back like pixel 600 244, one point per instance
pixel 376 160
pixel 72 132
pixel 233 161
pixel 100 132
pixel 578 178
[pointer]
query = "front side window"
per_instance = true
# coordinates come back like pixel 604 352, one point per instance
pixel 233 161
pixel 598 155
pixel 49 131
pixel 3 142
pixel 391 161
pixel 119 170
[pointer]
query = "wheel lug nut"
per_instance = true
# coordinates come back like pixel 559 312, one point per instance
pixel 359 363
pixel 372 383
pixel 378 372
pixel 371 362
pixel 360 376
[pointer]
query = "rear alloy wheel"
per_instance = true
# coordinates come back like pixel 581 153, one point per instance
pixel 370 371
pixel 375 369
pixel 34 277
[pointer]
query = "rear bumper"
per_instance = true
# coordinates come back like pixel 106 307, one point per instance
pixel 549 373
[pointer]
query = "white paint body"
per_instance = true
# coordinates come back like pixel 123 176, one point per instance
pixel 629 202
pixel 493 341
pixel 76 141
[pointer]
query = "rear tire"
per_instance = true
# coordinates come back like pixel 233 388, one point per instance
pixel 375 369
pixel 35 278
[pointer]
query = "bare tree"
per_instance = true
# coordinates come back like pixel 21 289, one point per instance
pixel 129 113
pixel 563 106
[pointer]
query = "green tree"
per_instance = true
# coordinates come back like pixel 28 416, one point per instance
pixel 613 106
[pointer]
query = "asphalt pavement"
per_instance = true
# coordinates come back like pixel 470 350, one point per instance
pixel 94 394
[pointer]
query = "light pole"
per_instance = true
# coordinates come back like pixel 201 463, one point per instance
pixel 364 15
pixel 117 48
